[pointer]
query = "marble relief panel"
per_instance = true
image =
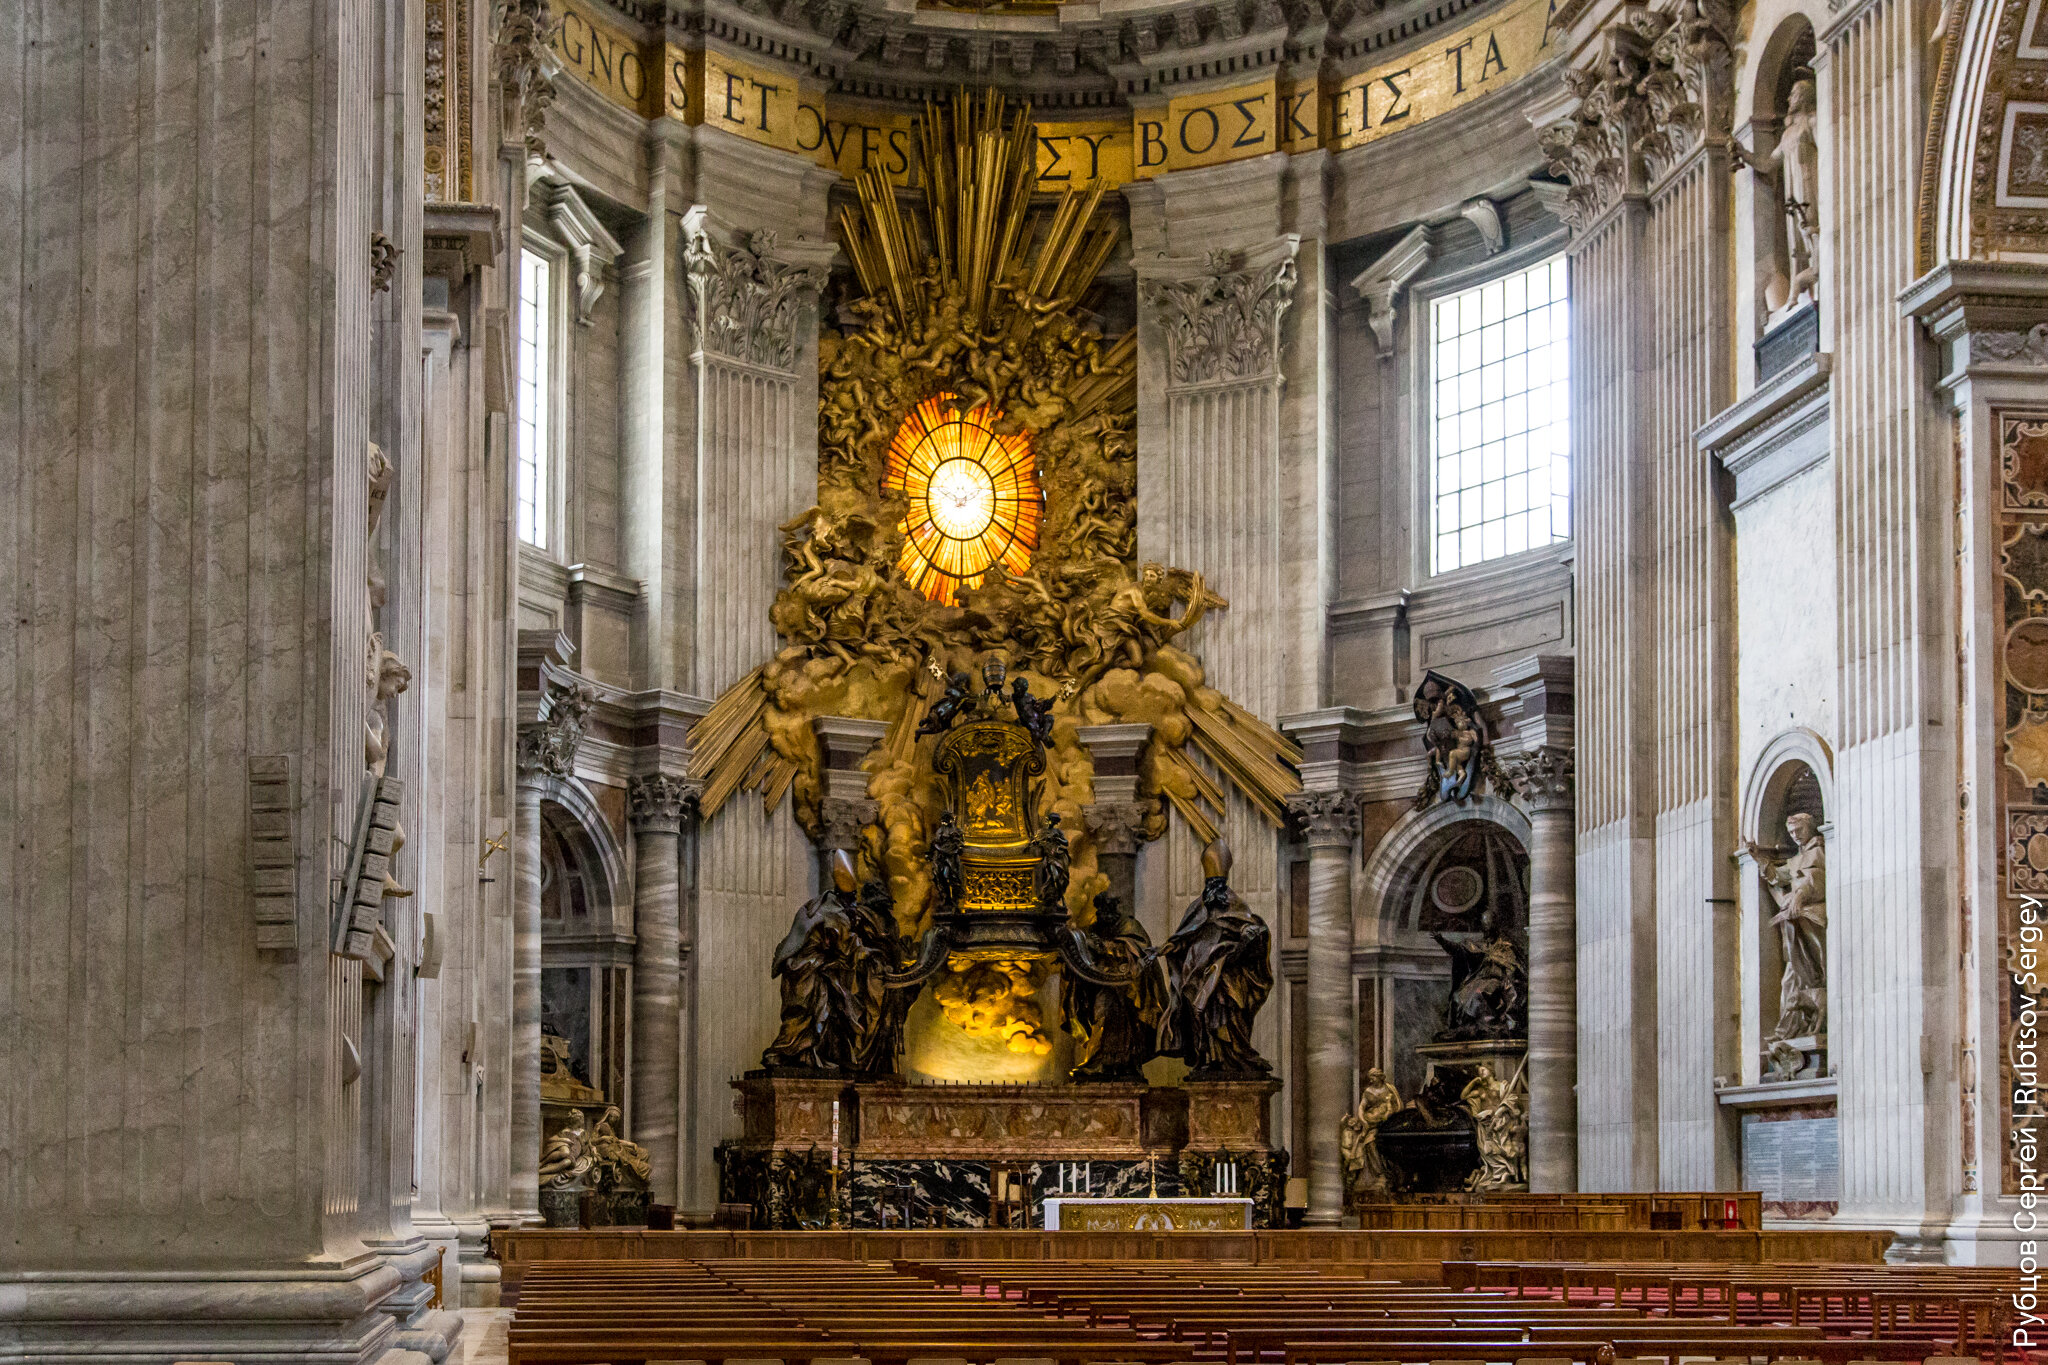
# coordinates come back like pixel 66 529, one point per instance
pixel 2022 660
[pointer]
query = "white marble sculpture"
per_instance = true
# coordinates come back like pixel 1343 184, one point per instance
pixel 1798 883
pixel 1365 1172
pixel 1500 1125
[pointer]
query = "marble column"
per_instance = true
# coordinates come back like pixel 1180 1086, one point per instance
pixel 1543 780
pixel 657 804
pixel 547 753
pixel 1327 821
pixel 846 809
pixel 1116 818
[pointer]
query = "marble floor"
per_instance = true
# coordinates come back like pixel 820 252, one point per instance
pixel 483 1337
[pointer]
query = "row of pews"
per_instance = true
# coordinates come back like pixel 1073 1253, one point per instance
pixel 1192 1313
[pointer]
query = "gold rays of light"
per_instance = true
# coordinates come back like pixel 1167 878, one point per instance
pixel 978 164
pixel 973 496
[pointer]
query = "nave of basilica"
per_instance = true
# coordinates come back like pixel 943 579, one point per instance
pixel 800 625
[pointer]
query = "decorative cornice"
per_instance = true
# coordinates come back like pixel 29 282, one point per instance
pixel 750 300
pixel 1324 819
pixel 661 804
pixel 591 248
pixel 1382 283
pixel 1543 778
pixel 547 744
pixel 1223 322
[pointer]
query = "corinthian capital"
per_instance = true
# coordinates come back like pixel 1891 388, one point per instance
pixel 1543 778
pixel 748 299
pixel 547 744
pixel 1223 322
pixel 841 820
pixel 1652 84
pixel 1118 826
pixel 660 803
pixel 1324 819
pixel 524 28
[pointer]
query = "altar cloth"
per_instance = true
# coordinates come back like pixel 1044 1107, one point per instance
pixel 1147 1215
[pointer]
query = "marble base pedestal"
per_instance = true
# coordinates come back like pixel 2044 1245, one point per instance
pixel 926 1152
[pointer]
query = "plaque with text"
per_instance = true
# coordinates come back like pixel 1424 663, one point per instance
pixel 1792 1161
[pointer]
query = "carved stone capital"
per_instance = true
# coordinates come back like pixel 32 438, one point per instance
pixel 1543 778
pixel 748 303
pixel 520 41
pixel 547 744
pixel 1324 819
pixel 1224 324
pixel 841 820
pixel 1118 827
pixel 1654 83
pixel 661 804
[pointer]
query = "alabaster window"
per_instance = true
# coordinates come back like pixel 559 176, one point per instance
pixel 1500 442
pixel 536 398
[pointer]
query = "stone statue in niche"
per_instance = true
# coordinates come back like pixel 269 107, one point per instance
pixel 1365 1170
pixel 1489 989
pixel 1797 880
pixel 385 675
pixel 1793 270
pixel 1219 971
pixel 1110 994
pixel 821 1018
pixel 1500 1127
pixel 1460 759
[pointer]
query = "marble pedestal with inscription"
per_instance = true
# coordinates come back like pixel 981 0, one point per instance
pixel 925 1154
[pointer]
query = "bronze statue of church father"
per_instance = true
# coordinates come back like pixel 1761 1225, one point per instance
pixel 836 1134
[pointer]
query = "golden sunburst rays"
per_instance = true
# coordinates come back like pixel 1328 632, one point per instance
pixel 973 496
pixel 978 163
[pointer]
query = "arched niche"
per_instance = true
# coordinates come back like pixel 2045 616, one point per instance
pixel 1793 774
pixel 586 984
pixel 1778 256
pixel 1409 883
